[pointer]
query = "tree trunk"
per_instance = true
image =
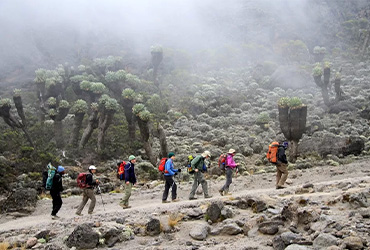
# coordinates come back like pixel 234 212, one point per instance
pixel 294 151
pixel 297 120
pixel 338 91
pixel 58 133
pixel 130 118
pixel 145 136
pixel 284 121
pixel 162 141
pixel 104 123
pixel 76 129
pixel 19 106
pixel 325 96
pixel 93 123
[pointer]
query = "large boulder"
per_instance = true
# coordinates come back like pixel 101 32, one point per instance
pixel 83 237
pixel 21 200
pixel 214 211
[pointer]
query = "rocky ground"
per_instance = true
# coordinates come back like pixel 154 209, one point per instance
pixel 325 207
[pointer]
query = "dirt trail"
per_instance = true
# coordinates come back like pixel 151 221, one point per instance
pixel 148 201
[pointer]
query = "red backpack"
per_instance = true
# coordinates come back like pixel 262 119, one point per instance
pixel 81 180
pixel 121 170
pixel 161 167
pixel 272 152
pixel 222 161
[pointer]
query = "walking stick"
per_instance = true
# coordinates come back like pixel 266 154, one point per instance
pixel 101 196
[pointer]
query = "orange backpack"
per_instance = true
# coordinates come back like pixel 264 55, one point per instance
pixel 272 152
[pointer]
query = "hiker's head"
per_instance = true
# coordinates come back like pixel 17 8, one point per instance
pixel 60 169
pixel 92 169
pixel 171 155
pixel 231 151
pixel 132 158
pixel 119 163
pixel 206 154
pixel 285 144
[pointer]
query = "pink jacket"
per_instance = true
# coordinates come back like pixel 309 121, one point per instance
pixel 230 161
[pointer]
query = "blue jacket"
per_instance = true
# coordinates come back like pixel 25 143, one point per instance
pixel 169 168
pixel 130 173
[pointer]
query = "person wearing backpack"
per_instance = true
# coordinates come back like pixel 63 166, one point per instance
pixel 281 166
pixel 197 164
pixel 230 166
pixel 55 190
pixel 88 192
pixel 130 180
pixel 168 176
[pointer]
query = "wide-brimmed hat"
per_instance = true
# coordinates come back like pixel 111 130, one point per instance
pixel 92 167
pixel 206 153
pixel 231 151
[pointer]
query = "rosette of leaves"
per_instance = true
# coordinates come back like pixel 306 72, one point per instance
pixel 52 102
pixel 283 102
pixel 52 113
pixel 128 94
pixel 132 79
pixel 137 108
pixel 118 76
pixel 295 102
pixel 338 75
pixel 85 85
pixel 83 77
pixel 327 65
pixel 81 68
pixel 79 107
pixel 319 50
pixel 52 79
pixel 98 88
pixel 60 70
pixel 108 103
pixel 63 104
pixel 144 115
pixel 94 106
pixel 317 71
pixel 5 102
pixel 17 92
pixel 40 75
pixel 108 62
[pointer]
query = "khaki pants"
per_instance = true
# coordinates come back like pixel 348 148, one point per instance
pixel 199 179
pixel 281 174
pixel 128 189
pixel 87 193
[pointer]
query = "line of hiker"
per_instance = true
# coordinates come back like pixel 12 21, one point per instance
pixel 52 178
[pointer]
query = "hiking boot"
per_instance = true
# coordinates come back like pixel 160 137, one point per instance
pixel 55 217
pixel 280 187
pixel 91 213
pixel 208 196
pixel 221 192
pixel 175 200
pixel 125 206
pixel 193 198
pixel 78 214
pixel 165 201
pixel 228 193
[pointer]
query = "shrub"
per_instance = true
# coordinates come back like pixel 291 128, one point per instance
pixel 295 102
pixel 283 102
pixel 63 104
pixel 263 118
pixel 128 94
pixel 80 106
pixel 317 70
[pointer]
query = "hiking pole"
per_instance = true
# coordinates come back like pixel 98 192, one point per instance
pixel 101 196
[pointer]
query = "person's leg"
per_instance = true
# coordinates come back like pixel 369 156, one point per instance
pixel 229 180
pixel 58 203
pixel 91 196
pixel 204 185
pixel 83 202
pixel 174 189
pixel 284 174
pixel 195 185
pixel 128 188
pixel 166 187
pixel 278 174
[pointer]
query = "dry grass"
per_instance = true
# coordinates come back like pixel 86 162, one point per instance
pixel 44 196
pixel 117 190
pixel 4 245
pixel 174 218
pixel 231 198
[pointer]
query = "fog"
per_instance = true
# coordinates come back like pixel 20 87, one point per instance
pixel 45 33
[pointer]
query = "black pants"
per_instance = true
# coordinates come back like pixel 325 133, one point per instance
pixel 57 202
pixel 169 183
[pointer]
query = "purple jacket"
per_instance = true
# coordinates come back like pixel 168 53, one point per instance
pixel 230 161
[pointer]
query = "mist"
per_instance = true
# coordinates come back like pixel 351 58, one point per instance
pixel 45 33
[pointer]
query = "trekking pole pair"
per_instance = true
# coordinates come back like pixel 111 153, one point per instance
pixel 101 196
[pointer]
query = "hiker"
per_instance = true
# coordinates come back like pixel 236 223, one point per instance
pixel 169 172
pixel 198 165
pixel 130 180
pixel 230 166
pixel 281 165
pixel 88 192
pixel 55 191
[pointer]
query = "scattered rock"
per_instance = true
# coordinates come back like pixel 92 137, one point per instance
pixel 325 240
pixel 83 236
pixel 353 243
pixel 153 227
pixel 214 211
pixel 31 242
pixel 199 231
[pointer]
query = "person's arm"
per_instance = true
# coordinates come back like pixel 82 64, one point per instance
pixel 89 180
pixel 127 173
pixel 282 155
